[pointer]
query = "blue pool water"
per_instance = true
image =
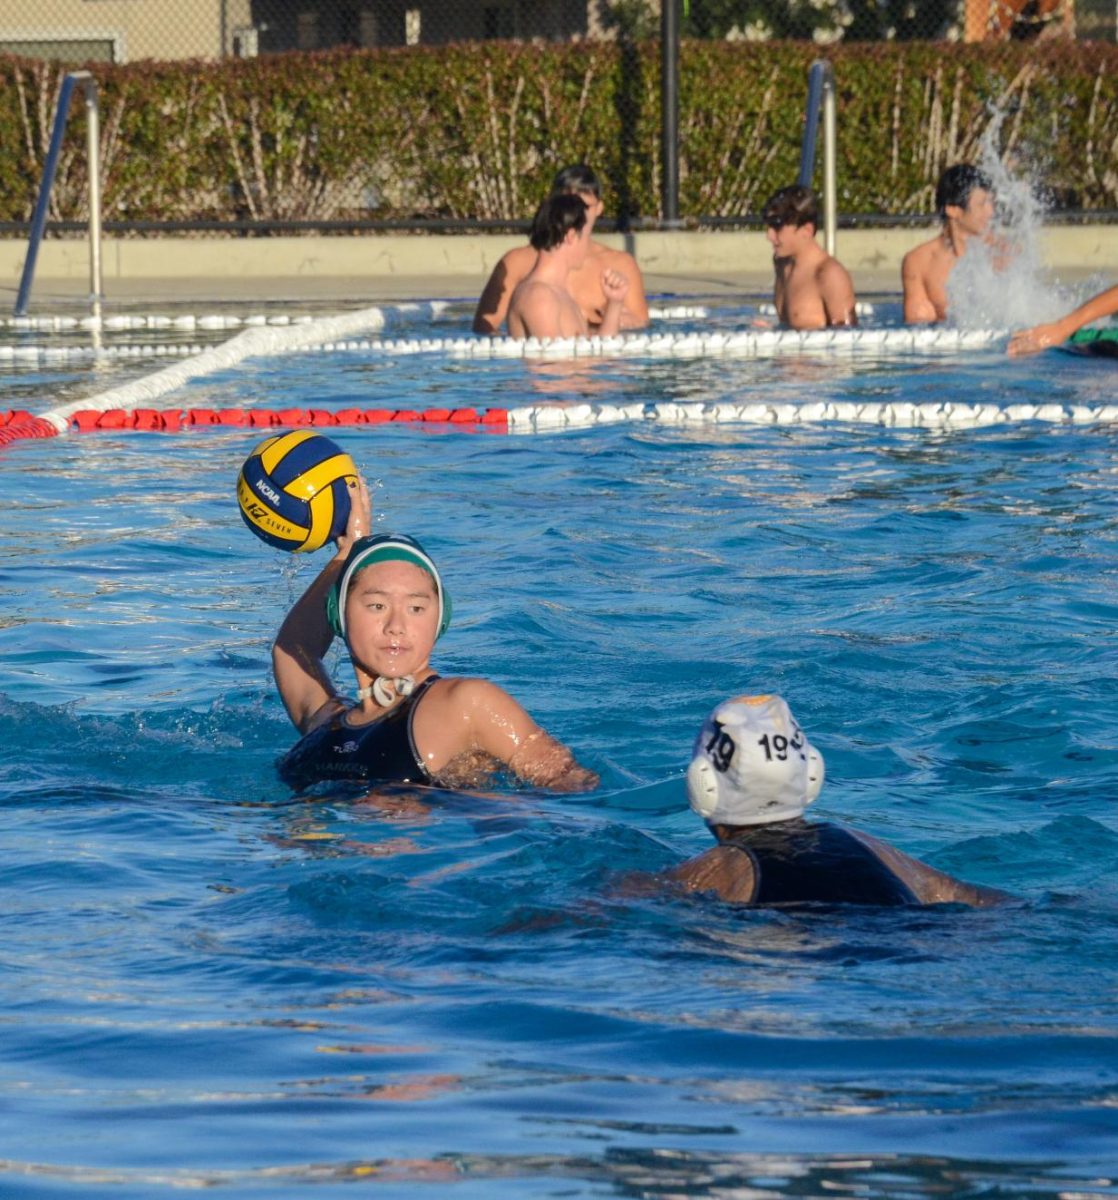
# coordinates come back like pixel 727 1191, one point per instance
pixel 209 983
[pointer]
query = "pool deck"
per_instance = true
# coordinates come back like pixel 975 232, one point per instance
pixel 393 267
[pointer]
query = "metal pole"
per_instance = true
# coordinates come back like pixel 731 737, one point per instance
pixel 39 220
pixel 811 124
pixel 821 91
pixel 93 143
pixel 830 189
pixel 669 101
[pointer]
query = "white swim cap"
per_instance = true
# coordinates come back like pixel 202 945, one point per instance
pixel 752 764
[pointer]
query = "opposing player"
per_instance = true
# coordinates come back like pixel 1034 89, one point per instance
pixel 752 775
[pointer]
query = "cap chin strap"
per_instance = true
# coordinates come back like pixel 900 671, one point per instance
pixel 385 690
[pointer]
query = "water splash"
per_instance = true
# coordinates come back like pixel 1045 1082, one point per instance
pixel 1001 283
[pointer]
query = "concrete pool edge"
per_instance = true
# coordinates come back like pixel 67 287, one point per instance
pixel 403 266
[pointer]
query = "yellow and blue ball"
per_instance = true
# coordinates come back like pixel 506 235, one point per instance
pixel 293 490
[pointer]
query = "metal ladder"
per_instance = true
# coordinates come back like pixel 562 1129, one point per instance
pixel 39 220
pixel 821 93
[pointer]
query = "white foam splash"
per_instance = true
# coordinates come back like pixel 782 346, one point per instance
pixel 1001 281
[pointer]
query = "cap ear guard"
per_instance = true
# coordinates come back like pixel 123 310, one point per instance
pixel 816 773
pixel 332 613
pixel 702 786
pixel 752 764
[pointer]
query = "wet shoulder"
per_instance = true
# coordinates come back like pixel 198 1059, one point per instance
pixel 727 871
pixel 530 290
pixel 831 269
pixel 466 693
pixel 619 260
pixel 919 256
pixel 518 261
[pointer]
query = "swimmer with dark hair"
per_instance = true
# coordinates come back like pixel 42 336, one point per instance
pixel 384 596
pixel 752 774
pixel 811 288
pixel 965 206
pixel 1040 337
pixel 542 305
pixel 584 283
pixel 554 219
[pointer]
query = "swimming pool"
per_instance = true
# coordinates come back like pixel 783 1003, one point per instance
pixel 208 983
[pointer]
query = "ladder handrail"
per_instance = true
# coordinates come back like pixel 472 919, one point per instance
pixel 821 93
pixel 39 220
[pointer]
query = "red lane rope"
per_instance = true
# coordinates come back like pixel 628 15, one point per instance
pixel 19 424
pixel 14 425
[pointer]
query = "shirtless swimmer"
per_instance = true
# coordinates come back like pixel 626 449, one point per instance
pixel 811 288
pixel 542 305
pixel 965 204
pixel 584 282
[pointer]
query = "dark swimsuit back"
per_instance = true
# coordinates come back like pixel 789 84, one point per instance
pixel 802 862
pixel 383 751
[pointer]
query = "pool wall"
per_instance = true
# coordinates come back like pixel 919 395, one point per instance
pixel 396 266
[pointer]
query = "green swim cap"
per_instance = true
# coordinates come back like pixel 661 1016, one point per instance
pixel 384 547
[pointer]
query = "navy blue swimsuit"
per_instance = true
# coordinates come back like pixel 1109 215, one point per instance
pixel 383 751
pixel 802 862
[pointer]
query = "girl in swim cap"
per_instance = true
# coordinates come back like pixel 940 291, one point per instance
pixel 752 774
pixel 384 596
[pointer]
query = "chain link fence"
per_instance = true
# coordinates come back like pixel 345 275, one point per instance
pixel 118 31
pixel 269 116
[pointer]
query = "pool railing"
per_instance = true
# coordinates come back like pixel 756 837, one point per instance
pixel 821 96
pixel 39 219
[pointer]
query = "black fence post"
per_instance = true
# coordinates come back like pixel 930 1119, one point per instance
pixel 669 109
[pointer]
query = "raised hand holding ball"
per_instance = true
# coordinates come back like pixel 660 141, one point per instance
pixel 294 490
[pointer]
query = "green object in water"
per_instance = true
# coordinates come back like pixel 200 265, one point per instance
pixel 1102 342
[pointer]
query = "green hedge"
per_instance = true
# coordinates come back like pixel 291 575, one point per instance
pixel 476 131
